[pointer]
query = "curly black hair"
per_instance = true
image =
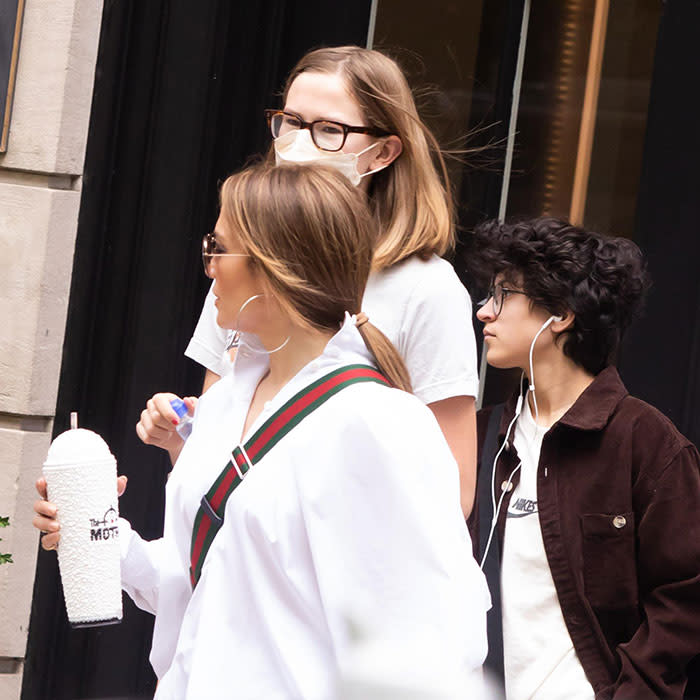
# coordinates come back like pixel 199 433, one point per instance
pixel 561 267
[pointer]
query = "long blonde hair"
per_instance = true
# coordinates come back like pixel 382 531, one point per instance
pixel 412 205
pixel 310 234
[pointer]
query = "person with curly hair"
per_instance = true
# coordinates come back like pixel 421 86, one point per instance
pixel 586 521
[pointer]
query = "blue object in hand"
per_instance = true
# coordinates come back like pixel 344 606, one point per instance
pixel 184 427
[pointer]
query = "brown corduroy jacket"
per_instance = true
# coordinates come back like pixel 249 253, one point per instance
pixel 619 505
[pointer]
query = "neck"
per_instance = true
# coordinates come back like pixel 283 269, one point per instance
pixel 558 384
pixel 304 346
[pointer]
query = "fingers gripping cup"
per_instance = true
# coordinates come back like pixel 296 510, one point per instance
pixel 81 480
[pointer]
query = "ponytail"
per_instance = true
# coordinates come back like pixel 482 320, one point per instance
pixel 387 357
pixel 310 234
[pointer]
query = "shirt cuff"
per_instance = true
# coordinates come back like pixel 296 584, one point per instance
pixel 205 356
pixel 139 567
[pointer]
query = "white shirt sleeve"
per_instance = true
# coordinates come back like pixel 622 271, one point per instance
pixel 388 537
pixel 437 337
pixel 209 340
pixel 140 567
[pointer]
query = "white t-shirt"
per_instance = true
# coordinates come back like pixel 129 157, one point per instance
pixel 356 509
pixel 421 306
pixel 539 657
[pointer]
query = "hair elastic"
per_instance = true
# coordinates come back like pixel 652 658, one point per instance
pixel 361 319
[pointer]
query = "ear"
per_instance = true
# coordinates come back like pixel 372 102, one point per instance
pixel 388 153
pixel 564 324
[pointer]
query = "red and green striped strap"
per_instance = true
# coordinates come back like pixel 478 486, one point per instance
pixel 210 516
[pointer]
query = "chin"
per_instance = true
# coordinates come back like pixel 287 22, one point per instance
pixel 223 322
pixel 500 362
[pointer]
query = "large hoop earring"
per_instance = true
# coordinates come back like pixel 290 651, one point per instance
pixel 242 341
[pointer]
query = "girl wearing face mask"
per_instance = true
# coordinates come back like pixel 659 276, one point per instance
pixel 330 492
pixel 351 108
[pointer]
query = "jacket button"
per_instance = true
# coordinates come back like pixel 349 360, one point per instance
pixel 507 486
pixel 619 521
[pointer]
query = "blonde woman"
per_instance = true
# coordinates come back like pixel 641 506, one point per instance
pixel 329 487
pixel 352 109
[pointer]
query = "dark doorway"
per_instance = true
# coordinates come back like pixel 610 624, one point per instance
pixel 179 92
pixel 667 372
pixel 661 355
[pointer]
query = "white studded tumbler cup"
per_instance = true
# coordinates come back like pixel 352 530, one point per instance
pixel 81 480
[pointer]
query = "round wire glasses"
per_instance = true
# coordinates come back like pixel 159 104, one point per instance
pixel 499 293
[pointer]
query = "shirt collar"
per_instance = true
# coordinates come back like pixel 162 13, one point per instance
pixel 349 341
pixel 593 408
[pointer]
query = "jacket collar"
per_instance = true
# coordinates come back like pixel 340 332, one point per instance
pixel 593 408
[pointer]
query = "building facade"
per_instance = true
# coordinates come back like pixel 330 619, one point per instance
pixel 40 189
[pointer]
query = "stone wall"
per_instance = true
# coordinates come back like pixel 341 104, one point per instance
pixel 40 183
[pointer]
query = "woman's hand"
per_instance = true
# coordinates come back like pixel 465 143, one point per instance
pixel 158 422
pixel 46 518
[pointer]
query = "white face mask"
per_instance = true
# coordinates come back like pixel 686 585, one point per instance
pixel 298 147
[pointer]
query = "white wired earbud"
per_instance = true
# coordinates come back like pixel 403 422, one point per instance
pixel 497 509
pixel 518 409
pixel 531 388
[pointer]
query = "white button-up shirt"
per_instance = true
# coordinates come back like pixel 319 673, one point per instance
pixel 354 512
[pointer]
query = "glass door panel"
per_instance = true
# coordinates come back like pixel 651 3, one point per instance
pixel 439 51
pixel 583 109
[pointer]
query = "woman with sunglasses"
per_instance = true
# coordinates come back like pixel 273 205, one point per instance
pixel 352 109
pixel 330 493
